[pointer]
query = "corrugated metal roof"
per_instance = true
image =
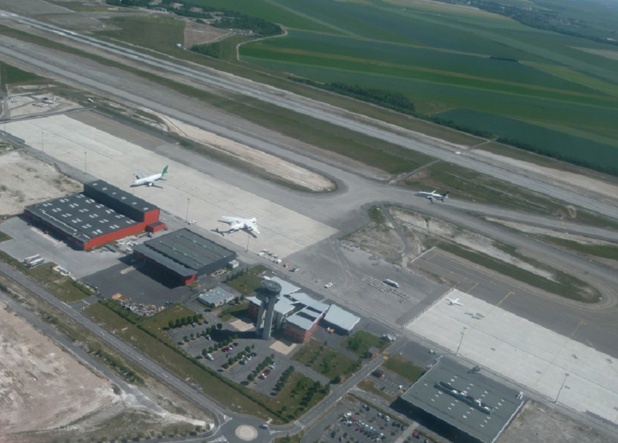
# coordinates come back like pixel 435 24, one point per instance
pixel 185 248
pixel 341 318
pixel 80 216
pixel 122 196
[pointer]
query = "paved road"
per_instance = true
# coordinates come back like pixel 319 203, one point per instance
pixel 103 79
pixel 344 209
pixel 121 346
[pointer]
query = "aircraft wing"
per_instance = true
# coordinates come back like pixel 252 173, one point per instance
pixel 230 220
pixel 254 228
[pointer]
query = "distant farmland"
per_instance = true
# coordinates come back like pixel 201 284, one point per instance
pixel 541 140
pixel 456 60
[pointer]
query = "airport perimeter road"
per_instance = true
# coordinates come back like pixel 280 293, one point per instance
pixel 129 352
pixel 143 400
pixel 128 88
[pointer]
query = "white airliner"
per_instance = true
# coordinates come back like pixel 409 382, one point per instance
pixel 453 301
pixel 246 224
pixel 433 195
pixel 149 180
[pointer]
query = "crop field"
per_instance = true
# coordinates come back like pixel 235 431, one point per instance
pixel 545 141
pixel 447 58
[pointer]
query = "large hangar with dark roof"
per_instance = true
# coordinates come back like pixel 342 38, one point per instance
pixel 101 214
pixel 461 403
pixel 184 255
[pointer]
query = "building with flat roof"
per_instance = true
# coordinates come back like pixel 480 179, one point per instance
pixel 340 319
pixel 101 214
pixel 216 297
pixel 299 327
pixel 296 313
pixel 461 403
pixel 286 287
pixel 184 255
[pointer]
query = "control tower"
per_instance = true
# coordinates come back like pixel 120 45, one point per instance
pixel 268 294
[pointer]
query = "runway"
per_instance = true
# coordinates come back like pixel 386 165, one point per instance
pixel 332 215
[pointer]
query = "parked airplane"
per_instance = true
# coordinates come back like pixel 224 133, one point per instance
pixel 453 301
pixel 246 224
pixel 433 195
pixel 150 180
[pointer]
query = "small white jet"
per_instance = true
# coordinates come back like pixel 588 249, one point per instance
pixel 142 179
pixel 433 195
pixel 453 301
pixel 246 224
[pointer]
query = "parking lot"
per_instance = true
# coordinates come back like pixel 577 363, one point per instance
pixel 356 421
pixel 28 240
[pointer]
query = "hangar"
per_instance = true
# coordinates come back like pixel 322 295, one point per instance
pixel 461 403
pixel 184 255
pixel 101 214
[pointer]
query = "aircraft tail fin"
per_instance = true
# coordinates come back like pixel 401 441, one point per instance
pixel 164 171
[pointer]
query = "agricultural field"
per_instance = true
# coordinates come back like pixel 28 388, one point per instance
pixel 451 58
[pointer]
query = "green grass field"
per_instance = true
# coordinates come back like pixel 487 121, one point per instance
pixel 324 360
pixel 403 367
pixel 362 341
pixel 543 140
pixel 12 75
pixel 246 282
pixel 447 58
pixel 62 287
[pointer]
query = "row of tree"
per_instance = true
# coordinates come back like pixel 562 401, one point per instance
pixel 183 321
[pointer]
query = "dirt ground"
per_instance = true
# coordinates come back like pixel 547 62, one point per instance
pixel 25 180
pixel 42 382
pixel 253 158
pixel 198 34
pixel 539 423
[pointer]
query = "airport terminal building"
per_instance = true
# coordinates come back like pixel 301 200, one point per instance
pixel 461 403
pixel 101 214
pixel 298 315
pixel 183 255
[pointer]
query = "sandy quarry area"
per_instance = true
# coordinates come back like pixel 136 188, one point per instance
pixel 41 386
pixel 25 180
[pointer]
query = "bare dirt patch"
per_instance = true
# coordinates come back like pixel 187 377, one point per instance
pixel 41 386
pixel 428 227
pixel 25 180
pixel 200 33
pixel 377 238
pixel 254 158
pixel 538 423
